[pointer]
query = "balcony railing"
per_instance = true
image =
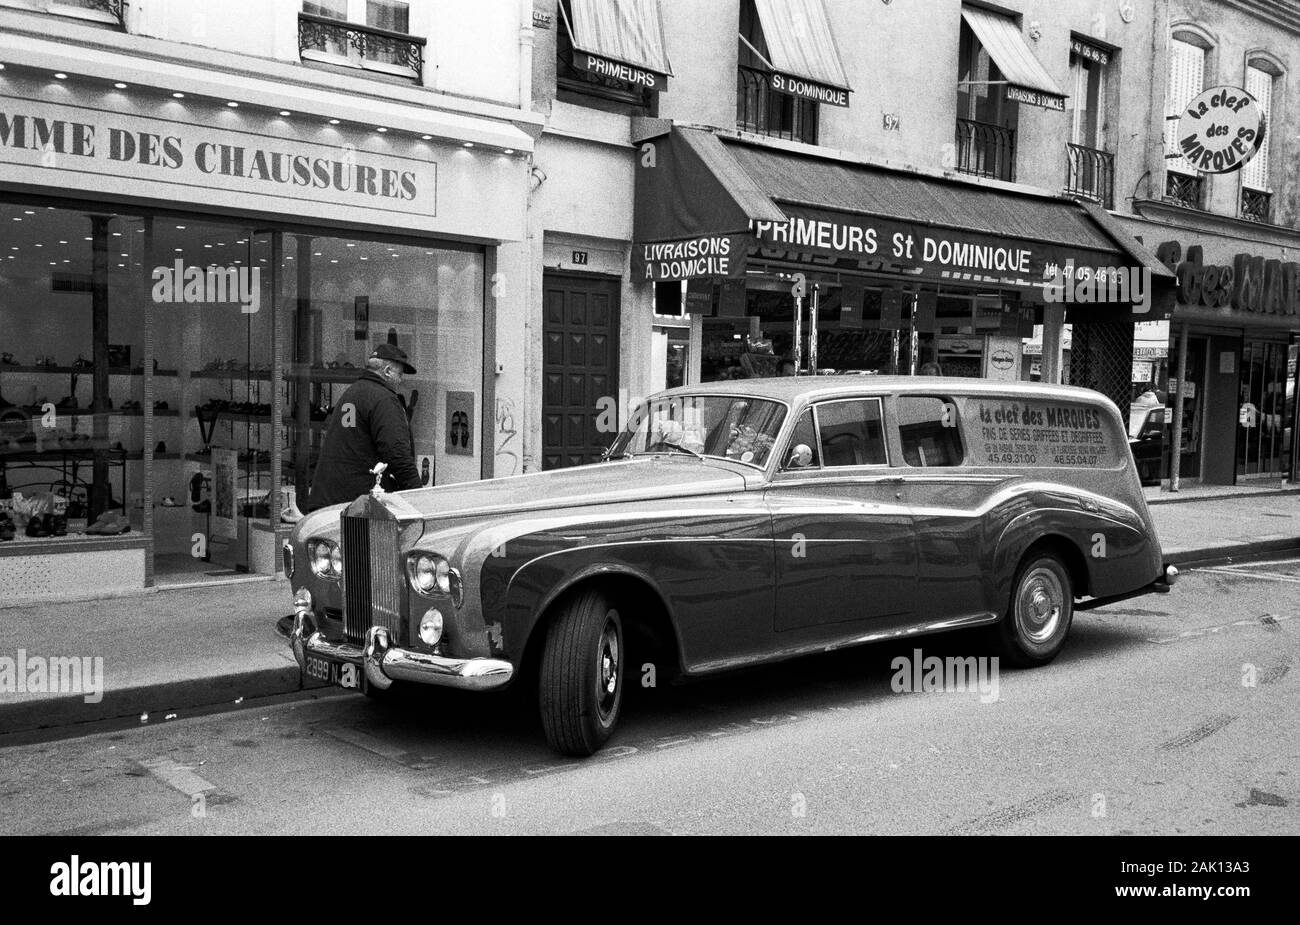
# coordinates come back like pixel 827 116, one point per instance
pixel 1090 173
pixel 108 10
pixel 378 48
pixel 765 111
pixel 1182 189
pixel 986 150
pixel 1255 204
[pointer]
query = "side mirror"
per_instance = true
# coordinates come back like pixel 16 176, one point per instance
pixel 800 457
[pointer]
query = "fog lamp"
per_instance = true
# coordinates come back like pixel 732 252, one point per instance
pixel 431 627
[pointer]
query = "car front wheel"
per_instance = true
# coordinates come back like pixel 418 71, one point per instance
pixel 580 691
pixel 1039 614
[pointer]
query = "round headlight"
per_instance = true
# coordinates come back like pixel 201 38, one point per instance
pixel 440 573
pixel 425 573
pixel 325 558
pixel 336 559
pixel 431 628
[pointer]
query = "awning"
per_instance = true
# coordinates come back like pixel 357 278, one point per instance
pixel 706 205
pixel 801 50
pixel 622 39
pixel 1027 79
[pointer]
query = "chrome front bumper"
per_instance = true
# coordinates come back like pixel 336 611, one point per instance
pixel 383 663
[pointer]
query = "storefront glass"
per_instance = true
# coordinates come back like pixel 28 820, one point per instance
pixel 1266 414
pixel 91 299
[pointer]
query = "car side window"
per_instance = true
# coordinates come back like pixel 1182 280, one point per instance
pixel 852 433
pixel 806 434
pixel 929 430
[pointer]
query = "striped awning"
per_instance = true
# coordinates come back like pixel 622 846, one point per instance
pixel 622 39
pixel 1027 79
pixel 801 48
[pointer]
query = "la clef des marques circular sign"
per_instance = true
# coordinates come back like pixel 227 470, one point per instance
pixel 1221 129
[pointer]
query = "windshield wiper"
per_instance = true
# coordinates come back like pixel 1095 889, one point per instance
pixel 677 446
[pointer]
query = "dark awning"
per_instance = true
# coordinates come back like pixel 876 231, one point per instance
pixel 623 39
pixel 1027 79
pixel 702 197
pixel 801 50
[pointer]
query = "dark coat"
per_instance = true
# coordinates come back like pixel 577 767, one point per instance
pixel 379 432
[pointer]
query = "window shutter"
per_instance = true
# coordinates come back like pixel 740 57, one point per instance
pixel 1186 78
pixel 1259 84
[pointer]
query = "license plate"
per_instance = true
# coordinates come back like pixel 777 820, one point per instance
pixel 329 671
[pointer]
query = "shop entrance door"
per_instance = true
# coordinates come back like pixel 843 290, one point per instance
pixel 579 367
pixel 1265 415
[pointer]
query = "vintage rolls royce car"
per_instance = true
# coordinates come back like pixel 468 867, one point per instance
pixel 732 524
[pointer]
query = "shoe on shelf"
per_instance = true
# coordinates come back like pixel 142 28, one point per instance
pixel 36 526
pixel 58 524
pixel 169 501
pixel 7 529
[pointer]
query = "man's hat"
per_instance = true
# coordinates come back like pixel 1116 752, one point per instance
pixel 394 353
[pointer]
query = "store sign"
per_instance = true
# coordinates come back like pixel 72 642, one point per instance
pixel 693 258
pixel 616 70
pixel 68 141
pixel 1090 52
pixel 1036 98
pixel 944 254
pixel 809 90
pixel 1249 284
pixel 1221 129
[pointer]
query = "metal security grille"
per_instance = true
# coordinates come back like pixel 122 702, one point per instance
pixel 371 579
pixel 1101 359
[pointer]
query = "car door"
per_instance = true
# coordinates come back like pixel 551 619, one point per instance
pixel 845 561
pixel 949 506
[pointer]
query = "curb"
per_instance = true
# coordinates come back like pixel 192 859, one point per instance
pixel 1218 555
pixel 157 700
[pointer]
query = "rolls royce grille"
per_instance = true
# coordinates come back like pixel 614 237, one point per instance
pixel 372 577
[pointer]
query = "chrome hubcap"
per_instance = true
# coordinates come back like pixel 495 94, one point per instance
pixel 1040 605
pixel 607 690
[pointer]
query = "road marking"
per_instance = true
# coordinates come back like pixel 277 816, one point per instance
pixel 377 746
pixel 1242 573
pixel 1268 621
pixel 177 776
pixel 1010 815
pixel 1203 731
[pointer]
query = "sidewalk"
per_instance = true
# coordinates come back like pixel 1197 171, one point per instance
pixel 175 651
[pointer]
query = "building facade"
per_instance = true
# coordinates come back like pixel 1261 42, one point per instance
pixel 212 214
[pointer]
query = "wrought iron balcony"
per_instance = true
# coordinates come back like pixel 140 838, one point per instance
pixel 110 8
pixel 765 111
pixel 1255 204
pixel 1090 173
pixel 1183 189
pixel 986 150
pixel 372 45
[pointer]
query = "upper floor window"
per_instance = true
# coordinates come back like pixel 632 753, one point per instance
pixel 1256 193
pixel 612 49
pixel 371 34
pixel 788 68
pixel 1183 183
pixel 1090 168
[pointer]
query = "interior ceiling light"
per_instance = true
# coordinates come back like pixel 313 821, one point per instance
pixel 469 144
pixel 285 112
pixel 426 137
pixel 334 121
pixel 380 129
pixel 60 76
pixel 178 95
pixel 120 85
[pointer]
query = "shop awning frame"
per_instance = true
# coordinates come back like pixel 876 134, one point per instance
pixel 607 34
pixel 801 50
pixel 1027 80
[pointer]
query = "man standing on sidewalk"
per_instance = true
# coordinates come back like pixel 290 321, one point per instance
pixel 369 425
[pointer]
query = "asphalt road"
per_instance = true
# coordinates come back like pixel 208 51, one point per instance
pixel 1164 715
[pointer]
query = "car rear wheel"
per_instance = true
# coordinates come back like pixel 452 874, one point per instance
pixel 580 690
pixel 1040 612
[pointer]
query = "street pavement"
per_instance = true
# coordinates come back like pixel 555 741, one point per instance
pixel 175 652
pixel 1165 714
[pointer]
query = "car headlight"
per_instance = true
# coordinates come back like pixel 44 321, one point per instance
pixel 429 573
pixel 431 627
pixel 325 557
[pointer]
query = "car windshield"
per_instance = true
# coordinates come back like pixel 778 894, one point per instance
pixel 725 426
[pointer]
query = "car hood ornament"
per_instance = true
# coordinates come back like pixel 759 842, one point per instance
pixel 378 473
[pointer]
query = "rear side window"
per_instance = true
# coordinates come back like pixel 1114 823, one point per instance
pixel 852 433
pixel 928 430
pixel 1004 431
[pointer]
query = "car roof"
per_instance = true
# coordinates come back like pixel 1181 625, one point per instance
pixel 794 389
